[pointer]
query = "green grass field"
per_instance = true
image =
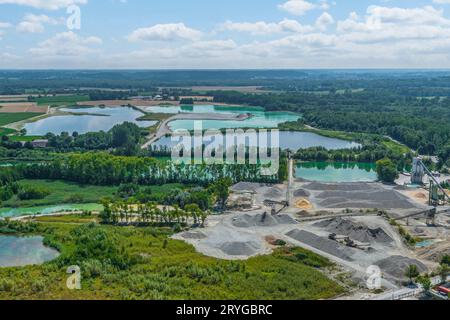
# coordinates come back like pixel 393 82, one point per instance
pixel 8 118
pixel 61 100
pixel 24 138
pixel 6 131
pixel 155 117
pixel 396 147
pixel 61 192
pixel 66 192
pixel 161 268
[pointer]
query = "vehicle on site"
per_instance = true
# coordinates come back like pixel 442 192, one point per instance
pixel 444 289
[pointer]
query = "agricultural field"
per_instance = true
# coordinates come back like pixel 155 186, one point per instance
pixel 145 263
pixel 61 100
pixel 8 118
pixel 14 98
pixel 18 107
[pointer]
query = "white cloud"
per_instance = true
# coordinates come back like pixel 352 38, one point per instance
pixel 265 28
pixel 165 32
pixel 44 4
pixel 214 45
pixel 442 1
pixel 324 21
pixel 297 7
pixel 66 44
pixel 35 23
pixel 4 25
pixel 394 24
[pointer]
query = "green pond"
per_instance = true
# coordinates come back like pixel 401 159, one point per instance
pixel 24 251
pixel 98 119
pixel 18 212
pixel 259 119
pixel 336 171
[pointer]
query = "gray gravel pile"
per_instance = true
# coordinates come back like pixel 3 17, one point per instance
pixel 193 235
pixel 396 266
pixel 301 193
pixel 246 186
pixel 358 195
pixel 248 221
pixel 355 231
pixel 323 244
pixel 240 248
pixel 273 193
pixel 318 186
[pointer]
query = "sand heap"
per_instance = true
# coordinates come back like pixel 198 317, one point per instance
pixel 261 220
pixel 355 231
pixel 303 204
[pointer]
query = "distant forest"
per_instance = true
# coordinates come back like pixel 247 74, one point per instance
pixel 405 82
pixel 411 106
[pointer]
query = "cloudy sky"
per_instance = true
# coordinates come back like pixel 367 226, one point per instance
pixel 225 34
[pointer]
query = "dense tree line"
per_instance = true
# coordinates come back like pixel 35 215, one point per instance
pixel 422 124
pixel 369 153
pixel 122 137
pixel 115 212
pixel 101 168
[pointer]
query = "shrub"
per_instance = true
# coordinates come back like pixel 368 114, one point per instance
pixel 74 198
pixel 6 285
pixel 92 268
pixel 33 193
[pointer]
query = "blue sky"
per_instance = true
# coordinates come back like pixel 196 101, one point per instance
pixel 226 34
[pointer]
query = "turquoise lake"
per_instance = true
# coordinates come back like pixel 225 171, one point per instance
pixel 17 212
pixel 336 171
pixel 259 119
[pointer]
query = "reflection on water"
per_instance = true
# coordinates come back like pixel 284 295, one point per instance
pixel 24 251
pixel 101 119
pixel 288 140
pixel 336 171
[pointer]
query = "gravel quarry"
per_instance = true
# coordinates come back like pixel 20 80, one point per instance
pixel 357 195
pixel 241 234
pixel 355 231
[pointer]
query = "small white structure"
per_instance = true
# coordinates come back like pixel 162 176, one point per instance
pixel 417 171
pixel 39 143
